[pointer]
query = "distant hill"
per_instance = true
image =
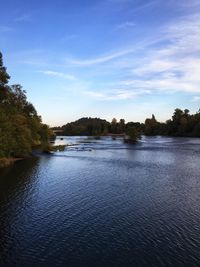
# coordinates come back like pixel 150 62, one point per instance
pixel 96 126
pixel 86 126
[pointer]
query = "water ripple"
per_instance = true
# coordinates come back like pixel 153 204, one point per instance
pixel 109 204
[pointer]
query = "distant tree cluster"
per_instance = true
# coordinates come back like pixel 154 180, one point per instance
pixel 86 126
pixel 181 124
pixel 21 128
pixel 96 126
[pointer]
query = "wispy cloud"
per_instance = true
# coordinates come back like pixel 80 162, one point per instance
pixel 58 74
pixel 4 29
pixel 116 94
pixel 188 4
pixel 125 25
pixel 176 66
pixel 137 6
pixel 171 66
pixel 113 55
pixel 23 17
pixel 166 62
pixel 147 5
pixel 89 62
pixel 196 99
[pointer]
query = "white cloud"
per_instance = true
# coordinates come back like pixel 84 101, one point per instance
pixel 148 4
pixel 114 55
pixel 125 25
pixel 176 66
pixel 168 84
pixel 154 66
pixel 94 94
pixel 116 94
pixel 103 59
pixel 170 63
pixel 196 99
pixel 59 74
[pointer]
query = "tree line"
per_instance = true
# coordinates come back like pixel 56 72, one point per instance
pixel 21 128
pixel 181 124
pixel 96 127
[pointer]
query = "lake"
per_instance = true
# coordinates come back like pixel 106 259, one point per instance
pixel 103 203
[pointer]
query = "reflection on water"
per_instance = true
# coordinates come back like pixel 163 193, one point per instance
pixel 103 203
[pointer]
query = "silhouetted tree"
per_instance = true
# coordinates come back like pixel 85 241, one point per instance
pixel 132 135
pixel 151 126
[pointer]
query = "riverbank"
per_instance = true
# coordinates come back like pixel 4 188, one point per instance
pixel 6 162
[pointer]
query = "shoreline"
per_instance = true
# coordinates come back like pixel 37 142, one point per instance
pixel 6 162
pixel 9 161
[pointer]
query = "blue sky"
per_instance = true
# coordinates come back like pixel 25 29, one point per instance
pixel 107 58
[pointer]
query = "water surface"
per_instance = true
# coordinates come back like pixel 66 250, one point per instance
pixel 103 203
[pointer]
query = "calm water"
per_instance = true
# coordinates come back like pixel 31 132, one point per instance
pixel 104 203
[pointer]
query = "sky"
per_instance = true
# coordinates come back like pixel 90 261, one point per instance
pixel 103 58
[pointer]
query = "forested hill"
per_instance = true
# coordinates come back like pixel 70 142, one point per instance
pixel 86 126
pixel 21 127
pixel 182 124
pixel 95 126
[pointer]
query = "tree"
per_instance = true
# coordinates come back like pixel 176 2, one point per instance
pixel 121 126
pixel 132 135
pixel 151 126
pixel 20 127
pixel 114 126
pixel 4 78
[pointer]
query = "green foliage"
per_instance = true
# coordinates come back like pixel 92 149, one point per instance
pixel 151 126
pixel 4 77
pixel 94 127
pixel 132 135
pixel 86 126
pixel 20 127
pixel 97 127
pixel 181 124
